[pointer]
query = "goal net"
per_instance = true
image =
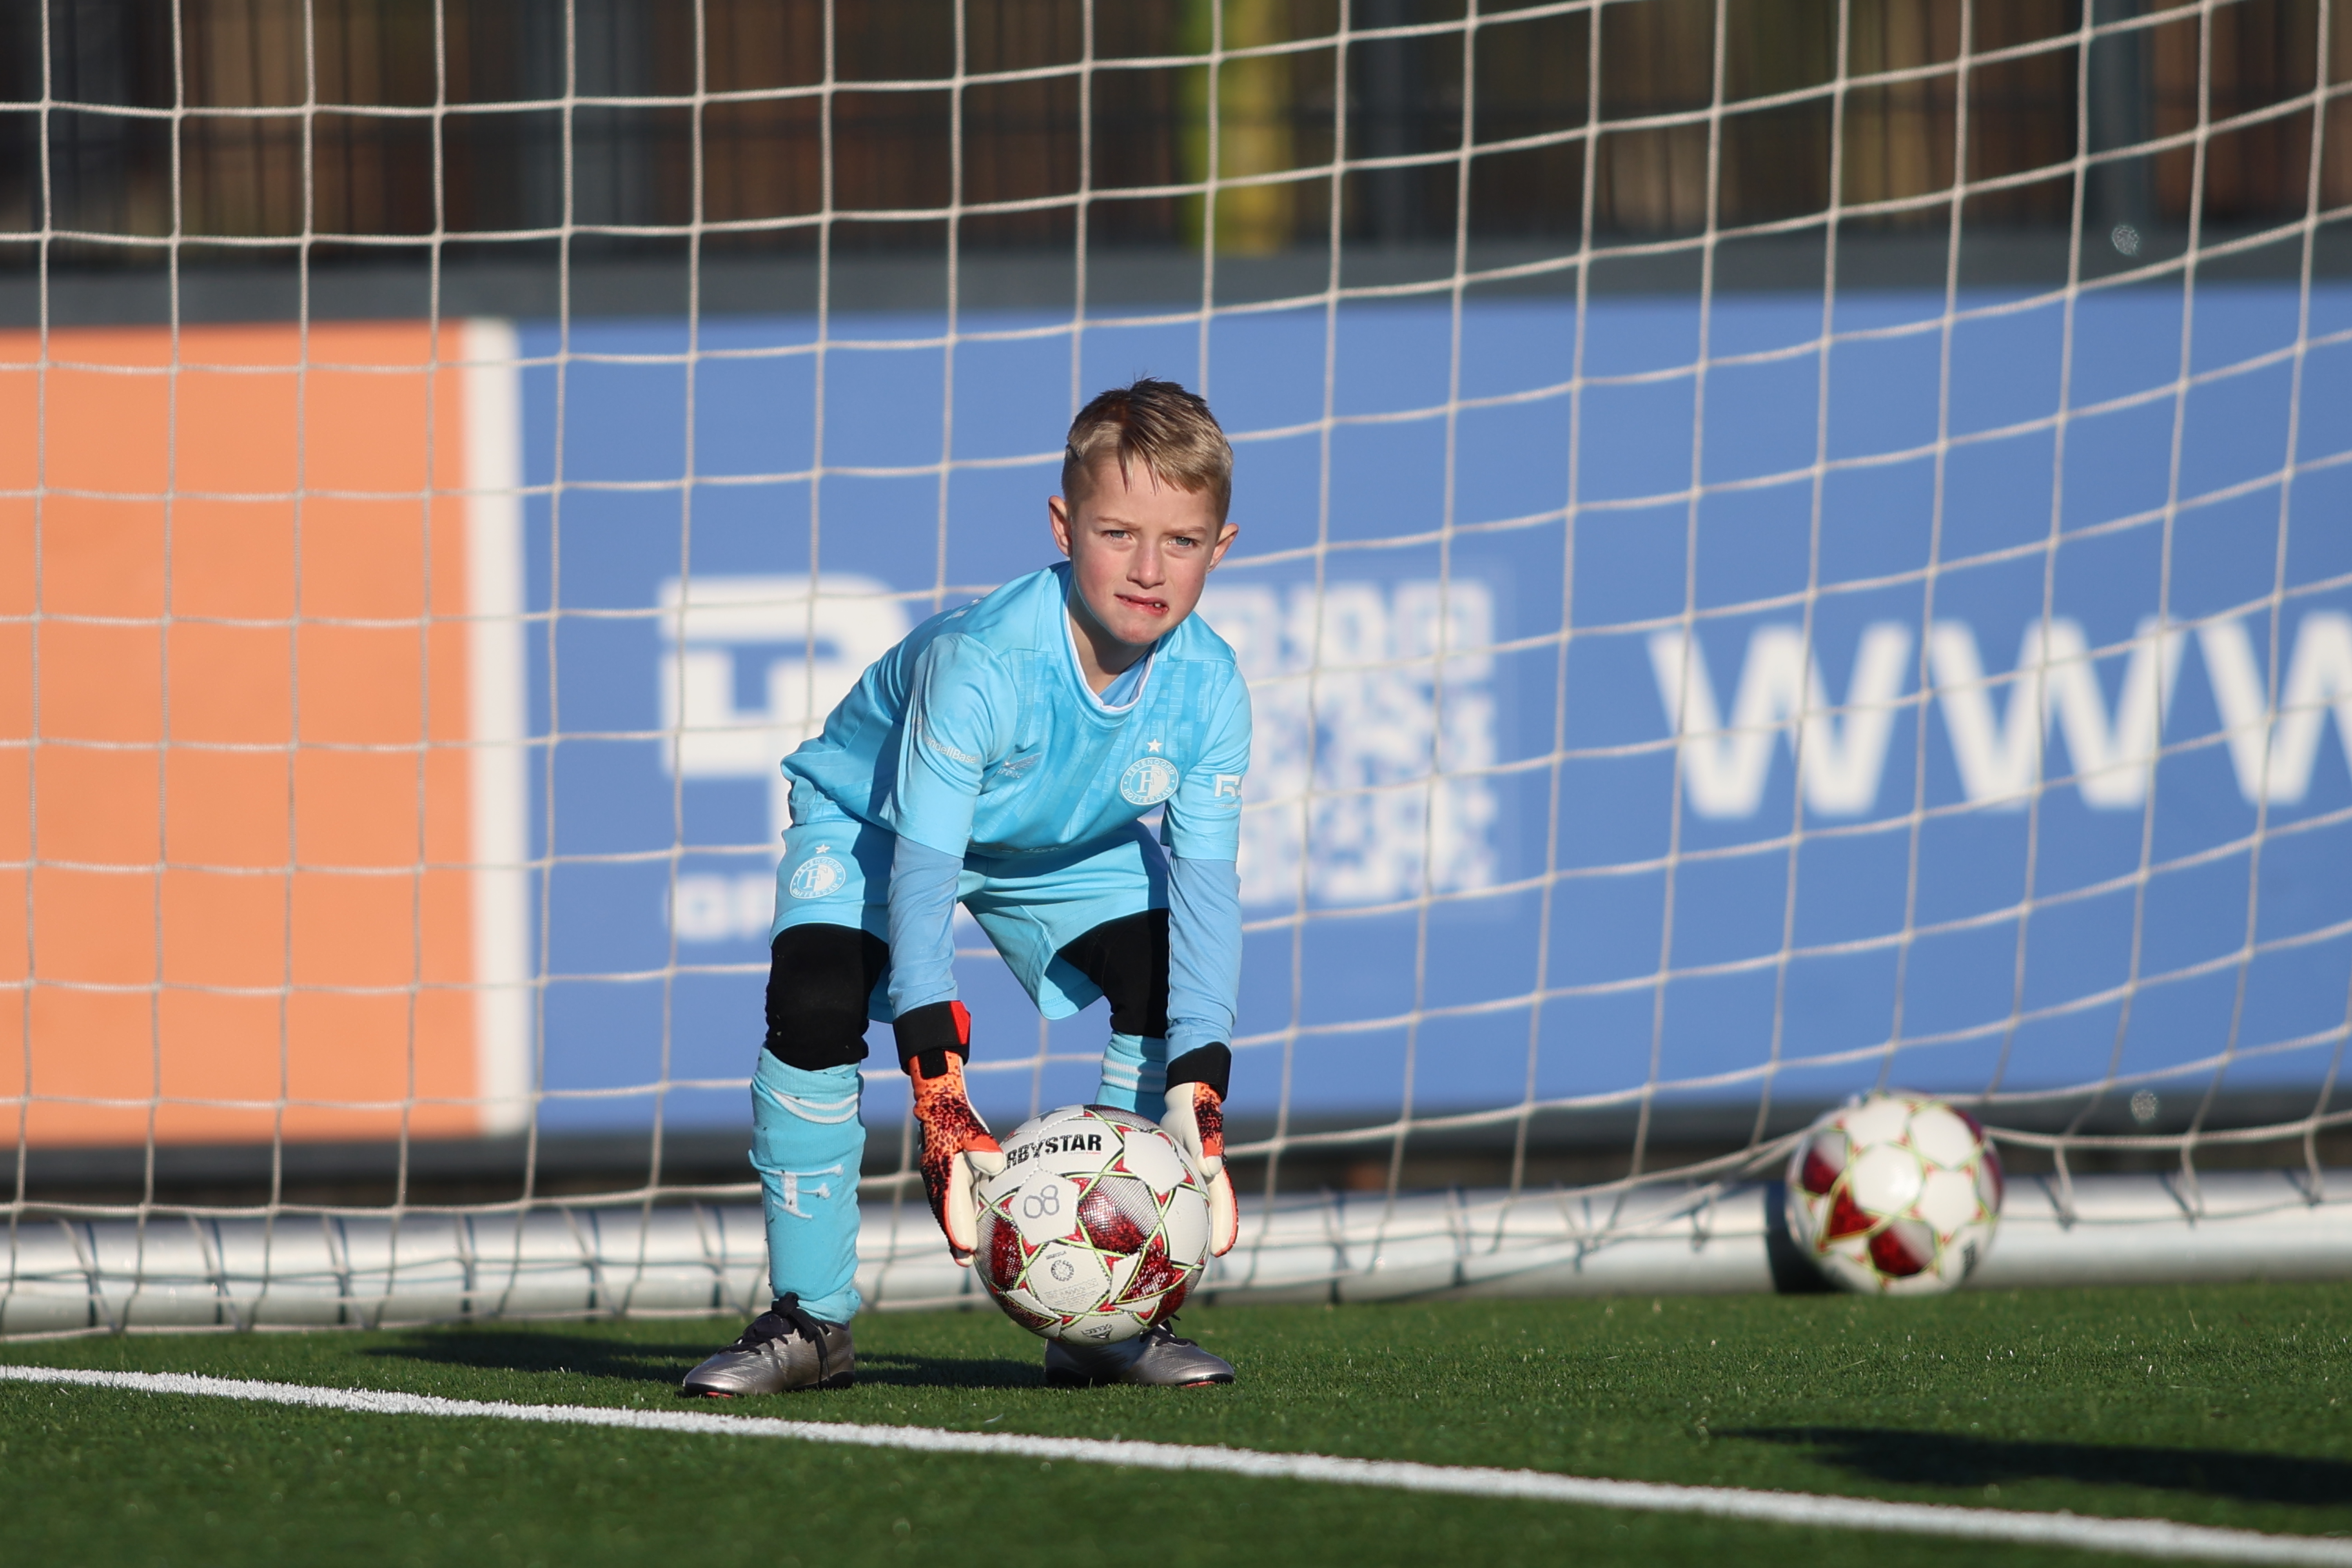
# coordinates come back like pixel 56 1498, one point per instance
pixel 1785 549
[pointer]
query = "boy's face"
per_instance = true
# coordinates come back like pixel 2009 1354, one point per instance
pixel 1139 550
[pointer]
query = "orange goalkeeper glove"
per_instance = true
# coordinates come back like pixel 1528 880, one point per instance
pixel 958 1150
pixel 1196 1120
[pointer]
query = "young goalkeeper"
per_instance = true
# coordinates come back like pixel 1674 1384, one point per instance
pixel 1001 756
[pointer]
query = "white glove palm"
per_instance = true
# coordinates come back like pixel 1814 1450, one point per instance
pixel 1196 1120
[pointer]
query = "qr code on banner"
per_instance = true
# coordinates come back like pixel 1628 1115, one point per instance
pixel 1368 774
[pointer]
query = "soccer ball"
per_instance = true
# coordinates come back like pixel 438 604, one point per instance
pixel 1895 1195
pixel 1096 1228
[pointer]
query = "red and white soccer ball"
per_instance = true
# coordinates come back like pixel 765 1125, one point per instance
pixel 1895 1195
pixel 1097 1228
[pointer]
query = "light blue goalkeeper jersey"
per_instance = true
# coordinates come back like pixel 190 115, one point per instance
pixel 977 735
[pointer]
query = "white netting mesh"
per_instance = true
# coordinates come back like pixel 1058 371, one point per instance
pixel 1658 424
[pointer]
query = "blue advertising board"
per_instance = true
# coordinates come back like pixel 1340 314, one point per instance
pixel 1899 710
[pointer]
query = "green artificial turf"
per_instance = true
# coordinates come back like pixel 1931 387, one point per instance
pixel 2218 1405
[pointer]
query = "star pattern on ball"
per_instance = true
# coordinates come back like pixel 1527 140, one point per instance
pixel 1896 1193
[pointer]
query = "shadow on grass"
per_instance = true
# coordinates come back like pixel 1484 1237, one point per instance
pixel 642 1362
pixel 897 1369
pixel 509 1351
pixel 1946 1458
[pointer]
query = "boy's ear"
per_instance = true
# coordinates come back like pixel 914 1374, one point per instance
pixel 1058 517
pixel 1226 533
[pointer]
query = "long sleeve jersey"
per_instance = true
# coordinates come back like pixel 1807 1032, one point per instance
pixel 977 736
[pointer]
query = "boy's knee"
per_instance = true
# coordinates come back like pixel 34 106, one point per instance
pixel 1128 960
pixel 818 982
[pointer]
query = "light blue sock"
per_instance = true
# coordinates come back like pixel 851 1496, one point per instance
pixel 1134 1075
pixel 807 1143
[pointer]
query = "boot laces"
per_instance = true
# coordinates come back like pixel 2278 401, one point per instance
pixel 786 1317
pixel 1165 1332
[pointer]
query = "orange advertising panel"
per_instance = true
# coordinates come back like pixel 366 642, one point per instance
pixel 237 795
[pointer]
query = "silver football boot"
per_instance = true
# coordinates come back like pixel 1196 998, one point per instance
pixel 784 1349
pixel 1155 1357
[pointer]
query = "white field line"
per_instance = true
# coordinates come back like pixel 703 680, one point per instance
pixel 2136 1537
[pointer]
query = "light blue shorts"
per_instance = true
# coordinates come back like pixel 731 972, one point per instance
pixel 836 871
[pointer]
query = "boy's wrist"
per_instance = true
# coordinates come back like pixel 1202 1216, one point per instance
pixel 930 1034
pixel 1212 1065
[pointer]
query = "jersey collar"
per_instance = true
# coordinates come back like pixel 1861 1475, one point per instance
pixel 1140 671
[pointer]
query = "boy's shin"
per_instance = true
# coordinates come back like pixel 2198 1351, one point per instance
pixel 806 1144
pixel 1134 1073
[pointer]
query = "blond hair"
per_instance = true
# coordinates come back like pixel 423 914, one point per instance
pixel 1170 430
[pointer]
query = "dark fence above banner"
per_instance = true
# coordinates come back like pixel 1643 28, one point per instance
pixel 350 126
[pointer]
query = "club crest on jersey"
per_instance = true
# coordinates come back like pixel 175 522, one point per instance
pixel 817 877
pixel 1148 781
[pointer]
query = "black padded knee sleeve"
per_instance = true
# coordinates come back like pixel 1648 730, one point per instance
pixel 1128 960
pixel 818 980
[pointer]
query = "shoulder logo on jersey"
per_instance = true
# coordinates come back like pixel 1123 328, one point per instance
pixel 817 877
pixel 1148 781
pixel 935 743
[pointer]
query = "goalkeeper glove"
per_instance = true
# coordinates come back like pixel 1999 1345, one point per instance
pixel 1196 1120
pixel 958 1152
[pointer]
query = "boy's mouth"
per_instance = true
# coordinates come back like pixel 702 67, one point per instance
pixel 1143 606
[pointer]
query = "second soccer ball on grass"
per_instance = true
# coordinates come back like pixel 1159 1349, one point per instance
pixel 1894 1195
pixel 1095 1230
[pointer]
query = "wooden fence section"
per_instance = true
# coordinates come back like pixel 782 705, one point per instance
pixel 867 118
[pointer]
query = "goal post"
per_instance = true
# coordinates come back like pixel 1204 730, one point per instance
pixel 1758 583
